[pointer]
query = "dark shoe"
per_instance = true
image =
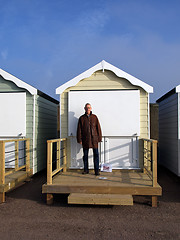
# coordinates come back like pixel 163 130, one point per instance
pixel 97 173
pixel 85 172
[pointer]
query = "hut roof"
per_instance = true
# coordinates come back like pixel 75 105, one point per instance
pixel 103 65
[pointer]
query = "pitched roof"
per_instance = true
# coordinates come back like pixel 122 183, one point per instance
pixel 29 88
pixel 103 65
pixel 17 81
pixel 168 94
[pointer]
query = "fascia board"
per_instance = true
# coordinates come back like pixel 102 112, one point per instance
pixel 178 88
pixel 18 82
pixel 103 65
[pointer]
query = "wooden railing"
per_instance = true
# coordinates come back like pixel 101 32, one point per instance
pixel 55 156
pixel 150 159
pixel 6 171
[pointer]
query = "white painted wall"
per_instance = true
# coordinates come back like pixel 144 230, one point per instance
pixel 13 112
pixel 118 111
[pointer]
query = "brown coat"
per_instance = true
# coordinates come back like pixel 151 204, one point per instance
pixel 89 131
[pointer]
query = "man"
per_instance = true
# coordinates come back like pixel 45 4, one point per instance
pixel 89 134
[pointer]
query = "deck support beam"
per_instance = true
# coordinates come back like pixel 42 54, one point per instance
pixel 154 201
pixel 2 197
pixel 49 199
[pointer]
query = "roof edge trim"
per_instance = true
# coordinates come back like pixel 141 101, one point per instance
pixel 18 82
pixel 103 65
pixel 178 88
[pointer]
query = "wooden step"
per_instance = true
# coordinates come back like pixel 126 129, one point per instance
pixel 100 199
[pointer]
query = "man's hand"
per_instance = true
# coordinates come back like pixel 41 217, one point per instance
pixel 81 143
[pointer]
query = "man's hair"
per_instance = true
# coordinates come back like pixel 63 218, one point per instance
pixel 87 104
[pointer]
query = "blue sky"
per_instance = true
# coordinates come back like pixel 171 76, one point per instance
pixel 46 43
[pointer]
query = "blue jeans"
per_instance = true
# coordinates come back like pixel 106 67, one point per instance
pixel 95 158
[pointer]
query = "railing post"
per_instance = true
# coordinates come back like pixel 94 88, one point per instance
pixel 16 154
pixel 144 154
pixel 49 162
pixel 28 155
pixel 58 154
pixel 2 162
pixel 149 156
pixel 2 169
pixel 65 156
pixel 154 164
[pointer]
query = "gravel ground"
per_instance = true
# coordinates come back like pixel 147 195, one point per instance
pixel 25 215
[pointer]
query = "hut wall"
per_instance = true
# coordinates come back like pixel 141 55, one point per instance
pixel 168 132
pixel 45 128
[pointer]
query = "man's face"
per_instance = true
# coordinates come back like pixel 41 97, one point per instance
pixel 88 109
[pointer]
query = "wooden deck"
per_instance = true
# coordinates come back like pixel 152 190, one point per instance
pixel 12 177
pixel 12 181
pixel 83 188
pixel 117 182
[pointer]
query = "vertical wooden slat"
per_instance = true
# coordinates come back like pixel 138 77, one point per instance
pixel 2 197
pixel 2 162
pixel 65 156
pixel 28 155
pixel 2 169
pixel 154 168
pixel 58 155
pixel 16 154
pixel 145 153
pixel 154 201
pixel 49 198
pixel 49 162
pixel 149 155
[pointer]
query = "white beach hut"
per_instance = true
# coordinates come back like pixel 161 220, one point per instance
pixel 121 103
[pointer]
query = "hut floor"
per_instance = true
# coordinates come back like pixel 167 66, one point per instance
pixel 117 182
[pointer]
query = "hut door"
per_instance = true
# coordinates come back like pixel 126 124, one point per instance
pixel 120 152
pixel 13 124
pixel 13 114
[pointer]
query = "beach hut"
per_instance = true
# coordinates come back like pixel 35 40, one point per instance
pixel 169 130
pixel 121 103
pixel 28 119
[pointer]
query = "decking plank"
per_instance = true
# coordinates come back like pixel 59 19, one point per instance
pixel 133 183
pixel 13 180
pixel 100 199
